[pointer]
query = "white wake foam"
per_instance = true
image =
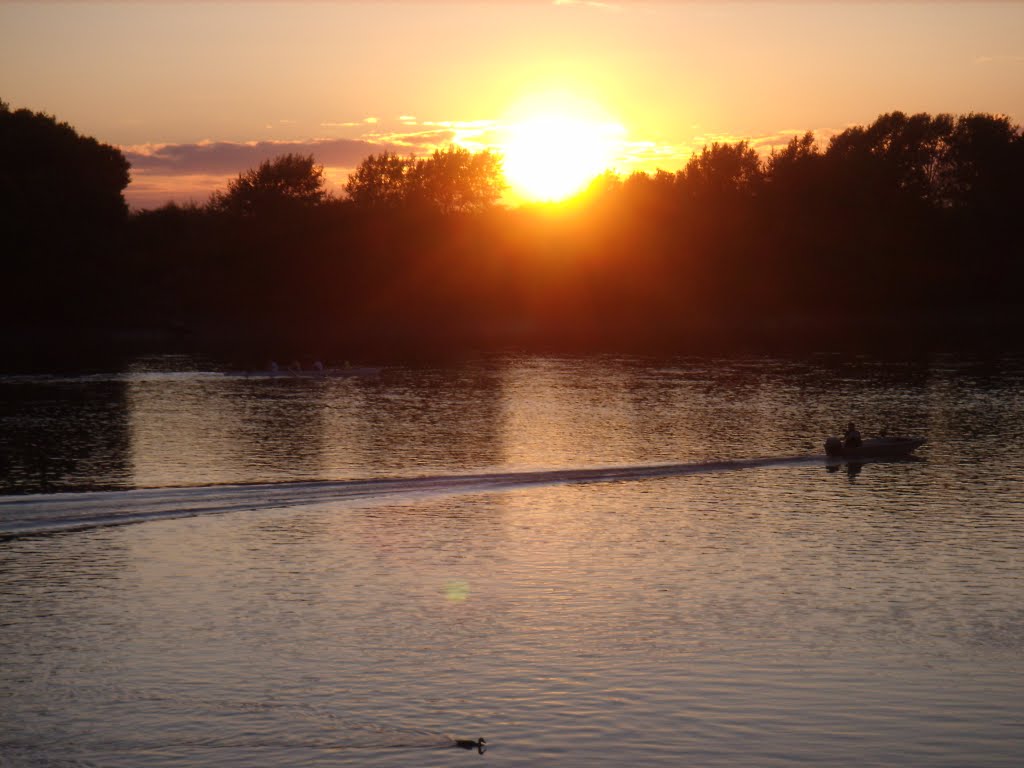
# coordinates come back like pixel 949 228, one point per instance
pixel 46 513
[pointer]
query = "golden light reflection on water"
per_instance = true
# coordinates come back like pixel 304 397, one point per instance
pixel 551 422
pixel 770 614
pixel 511 414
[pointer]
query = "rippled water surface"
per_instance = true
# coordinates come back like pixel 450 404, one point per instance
pixel 357 571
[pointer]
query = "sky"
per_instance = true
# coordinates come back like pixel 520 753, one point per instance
pixel 196 92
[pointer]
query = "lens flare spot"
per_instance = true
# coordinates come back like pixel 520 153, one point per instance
pixel 456 591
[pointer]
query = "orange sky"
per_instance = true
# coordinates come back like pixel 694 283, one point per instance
pixel 197 92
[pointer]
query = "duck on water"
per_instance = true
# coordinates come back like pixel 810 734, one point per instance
pixel 480 745
pixel 852 446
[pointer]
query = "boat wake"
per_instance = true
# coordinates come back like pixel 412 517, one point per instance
pixel 50 513
pixel 191 726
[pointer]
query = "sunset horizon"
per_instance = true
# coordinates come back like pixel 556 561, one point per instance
pixel 618 87
pixel 515 383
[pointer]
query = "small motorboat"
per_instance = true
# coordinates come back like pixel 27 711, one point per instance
pixel 873 448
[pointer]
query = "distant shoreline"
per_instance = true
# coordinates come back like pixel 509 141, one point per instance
pixel 964 330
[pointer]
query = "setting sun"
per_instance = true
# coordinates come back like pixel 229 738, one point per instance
pixel 550 157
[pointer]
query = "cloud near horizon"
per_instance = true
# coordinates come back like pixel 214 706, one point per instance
pixel 162 173
pixel 224 157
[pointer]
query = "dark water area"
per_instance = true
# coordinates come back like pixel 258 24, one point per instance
pixel 180 420
pixel 912 333
pixel 607 560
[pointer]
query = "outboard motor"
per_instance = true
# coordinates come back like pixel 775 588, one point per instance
pixel 833 446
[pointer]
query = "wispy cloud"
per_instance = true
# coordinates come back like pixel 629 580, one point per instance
pixel 192 172
pixel 153 190
pixel 352 123
pixel 223 157
pixel 182 172
pixel 426 139
pixel 591 4
pixel 1007 59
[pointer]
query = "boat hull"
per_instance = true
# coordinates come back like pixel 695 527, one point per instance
pixel 874 448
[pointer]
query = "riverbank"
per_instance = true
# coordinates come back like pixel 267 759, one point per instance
pixel 992 329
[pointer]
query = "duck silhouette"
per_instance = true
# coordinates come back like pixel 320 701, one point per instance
pixel 480 745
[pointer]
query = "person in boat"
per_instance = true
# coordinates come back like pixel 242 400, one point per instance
pixel 851 438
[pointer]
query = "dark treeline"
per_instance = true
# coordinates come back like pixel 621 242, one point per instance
pixel 63 220
pixel 909 224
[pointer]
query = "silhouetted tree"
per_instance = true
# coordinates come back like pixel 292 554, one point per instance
pixel 457 180
pixel 724 169
pixel 451 180
pixel 287 182
pixel 602 186
pixel 651 189
pixel 380 181
pixel 174 247
pixel 61 215
pixel 896 154
pixel 909 213
pixel 791 165
pixel 983 163
pixel 49 172
pixel 983 188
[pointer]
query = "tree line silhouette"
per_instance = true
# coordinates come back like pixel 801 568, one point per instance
pixel 909 224
pixel 62 217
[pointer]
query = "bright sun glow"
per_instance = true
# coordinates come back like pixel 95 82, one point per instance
pixel 550 157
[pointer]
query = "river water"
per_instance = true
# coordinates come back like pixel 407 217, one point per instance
pixel 587 561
